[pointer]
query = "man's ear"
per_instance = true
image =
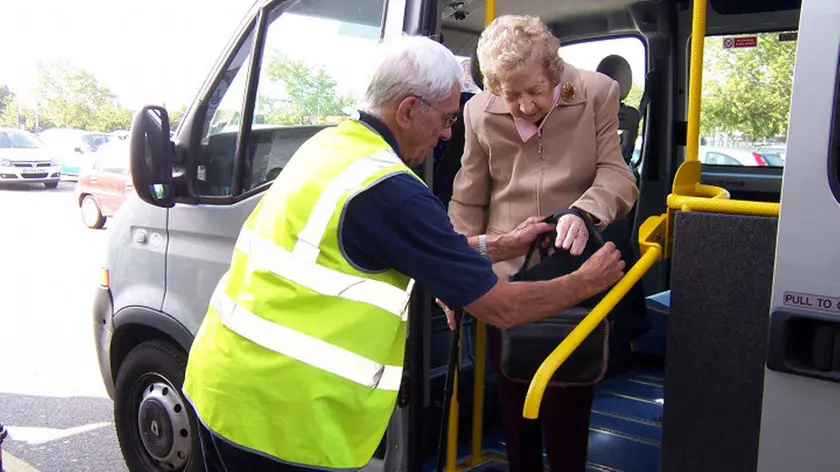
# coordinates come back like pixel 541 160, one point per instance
pixel 407 111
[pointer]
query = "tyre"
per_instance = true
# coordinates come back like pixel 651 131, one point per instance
pixel 51 184
pixel 91 214
pixel 156 427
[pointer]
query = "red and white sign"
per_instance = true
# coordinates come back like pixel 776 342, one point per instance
pixel 742 42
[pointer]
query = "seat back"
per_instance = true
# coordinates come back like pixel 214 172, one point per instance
pixel 617 68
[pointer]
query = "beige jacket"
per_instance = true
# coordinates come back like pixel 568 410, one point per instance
pixel 575 161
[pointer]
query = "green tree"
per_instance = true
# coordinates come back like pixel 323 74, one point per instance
pixel 6 97
pixel 312 93
pixel 9 117
pixel 634 97
pixel 747 90
pixel 71 97
pixel 176 116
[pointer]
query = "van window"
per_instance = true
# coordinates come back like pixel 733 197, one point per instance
pixel 747 85
pixel 217 151
pixel 590 54
pixel 306 82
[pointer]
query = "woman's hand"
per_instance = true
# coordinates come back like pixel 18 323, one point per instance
pixel 572 234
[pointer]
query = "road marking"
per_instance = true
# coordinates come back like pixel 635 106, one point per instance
pixel 13 464
pixel 36 436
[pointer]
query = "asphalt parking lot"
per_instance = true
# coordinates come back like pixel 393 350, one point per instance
pixel 52 399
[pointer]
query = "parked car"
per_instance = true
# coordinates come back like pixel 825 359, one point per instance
pixel 24 159
pixel 103 187
pixel 72 147
pixel 732 156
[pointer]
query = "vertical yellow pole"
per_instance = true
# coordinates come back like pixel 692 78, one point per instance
pixel 698 36
pixel 452 433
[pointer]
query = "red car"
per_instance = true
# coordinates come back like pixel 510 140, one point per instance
pixel 103 187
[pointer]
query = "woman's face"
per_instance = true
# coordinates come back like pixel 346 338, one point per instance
pixel 529 94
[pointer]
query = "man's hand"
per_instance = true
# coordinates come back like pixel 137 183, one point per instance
pixel 572 234
pixel 603 269
pixel 450 313
pixel 520 239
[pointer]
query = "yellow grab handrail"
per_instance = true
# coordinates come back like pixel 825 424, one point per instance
pixel 715 205
pixel 656 233
pixel 695 90
pixel 651 233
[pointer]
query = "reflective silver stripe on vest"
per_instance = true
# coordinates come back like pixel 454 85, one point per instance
pixel 351 178
pixel 264 253
pixel 304 348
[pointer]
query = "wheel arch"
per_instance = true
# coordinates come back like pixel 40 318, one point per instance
pixel 134 325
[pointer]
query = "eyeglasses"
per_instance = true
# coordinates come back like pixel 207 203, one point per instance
pixel 450 118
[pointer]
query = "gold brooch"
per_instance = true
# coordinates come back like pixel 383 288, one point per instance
pixel 568 92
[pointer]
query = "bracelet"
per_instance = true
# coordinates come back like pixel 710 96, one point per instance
pixel 482 244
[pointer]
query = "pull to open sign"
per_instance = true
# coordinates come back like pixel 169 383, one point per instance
pixel 814 302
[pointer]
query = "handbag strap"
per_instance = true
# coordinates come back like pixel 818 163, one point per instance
pixel 596 239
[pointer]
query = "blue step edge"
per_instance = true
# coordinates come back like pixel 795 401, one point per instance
pixel 653 341
pixel 625 429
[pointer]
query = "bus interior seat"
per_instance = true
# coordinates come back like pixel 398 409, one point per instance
pixel 629 118
pixel 618 69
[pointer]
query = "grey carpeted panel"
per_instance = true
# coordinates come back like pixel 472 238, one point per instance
pixel 721 280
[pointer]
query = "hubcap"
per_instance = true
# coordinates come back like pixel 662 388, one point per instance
pixel 164 426
pixel 90 211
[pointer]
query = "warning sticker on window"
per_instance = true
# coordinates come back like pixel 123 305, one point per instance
pixel 742 42
pixel 814 302
pixel 788 36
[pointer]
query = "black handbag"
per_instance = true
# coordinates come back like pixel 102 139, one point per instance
pixel 525 346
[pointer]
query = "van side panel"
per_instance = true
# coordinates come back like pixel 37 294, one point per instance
pixel 137 255
pixel 201 240
pixel 800 412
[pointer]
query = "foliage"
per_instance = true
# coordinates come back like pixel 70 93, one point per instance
pixel 747 90
pixel 6 97
pixel 312 94
pixel 73 98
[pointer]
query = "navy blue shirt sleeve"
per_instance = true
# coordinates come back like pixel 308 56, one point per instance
pixel 400 224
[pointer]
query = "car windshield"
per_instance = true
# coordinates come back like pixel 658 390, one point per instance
pixel 17 139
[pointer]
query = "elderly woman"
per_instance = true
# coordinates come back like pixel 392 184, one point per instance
pixel 541 137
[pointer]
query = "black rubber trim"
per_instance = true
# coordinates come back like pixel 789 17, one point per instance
pixel 834 144
pixel 140 315
pixel 796 340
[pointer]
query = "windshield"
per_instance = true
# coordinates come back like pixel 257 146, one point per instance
pixel 17 139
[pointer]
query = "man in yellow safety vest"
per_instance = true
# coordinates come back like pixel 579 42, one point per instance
pixel 299 359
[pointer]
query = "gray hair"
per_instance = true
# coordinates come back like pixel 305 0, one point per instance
pixel 412 66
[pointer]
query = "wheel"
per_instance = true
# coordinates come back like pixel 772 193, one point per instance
pixel 156 427
pixel 51 184
pixel 91 214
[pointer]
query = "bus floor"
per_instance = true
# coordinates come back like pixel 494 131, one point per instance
pixel 625 429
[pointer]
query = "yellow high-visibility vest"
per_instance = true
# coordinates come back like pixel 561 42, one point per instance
pixel 300 355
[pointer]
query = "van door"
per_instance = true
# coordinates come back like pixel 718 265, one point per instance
pixel 801 407
pixel 294 69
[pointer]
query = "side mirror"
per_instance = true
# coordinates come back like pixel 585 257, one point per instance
pixel 151 154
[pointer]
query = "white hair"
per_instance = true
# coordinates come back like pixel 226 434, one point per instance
pixel 411 66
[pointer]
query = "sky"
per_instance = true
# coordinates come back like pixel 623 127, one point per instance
pixel 161 51
pixel 144 51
